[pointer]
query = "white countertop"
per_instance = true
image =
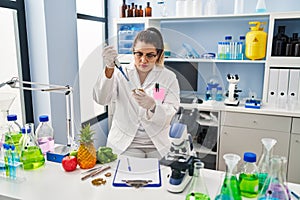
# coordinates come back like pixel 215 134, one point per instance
pixel 286 110
pixel 52 182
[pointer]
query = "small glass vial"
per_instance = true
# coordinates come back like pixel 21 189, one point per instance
pixel 136 11
pixel 248 179
pixel 148 10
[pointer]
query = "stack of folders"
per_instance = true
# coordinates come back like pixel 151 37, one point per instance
pixel 284 86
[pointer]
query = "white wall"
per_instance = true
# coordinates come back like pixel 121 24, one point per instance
pixel 53 58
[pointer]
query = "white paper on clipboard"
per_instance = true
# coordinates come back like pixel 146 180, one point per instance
pixel 140 169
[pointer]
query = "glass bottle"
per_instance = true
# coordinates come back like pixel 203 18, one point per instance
pixel 230 187
pixel 264 161
pixel 219 95
pixel 123 9
pixel 211 7
pixel 132 9
pixel 197 7
pixel 276 189
pixel 129 11
pixel 208 94
pixel 279 42
pixel 238 6
pixel 13 134
pixel 197 189
pixel 261 6
pixel 148 10
pixel 44 134
pixel 248 179
pixel 31 154
pixel 136 11
pixel 141 11
pixel 163 7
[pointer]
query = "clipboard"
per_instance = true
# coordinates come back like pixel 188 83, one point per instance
pixel 137 170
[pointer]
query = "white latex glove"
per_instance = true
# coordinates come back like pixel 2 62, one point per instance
pixel 144 100
pixel 109 55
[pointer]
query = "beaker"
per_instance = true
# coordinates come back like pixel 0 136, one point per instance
pixel 31 154
pixel 197 190
pixel 230 189
pixel 274 186
pixel 264 161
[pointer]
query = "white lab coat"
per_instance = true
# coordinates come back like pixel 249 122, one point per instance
pixel 128 114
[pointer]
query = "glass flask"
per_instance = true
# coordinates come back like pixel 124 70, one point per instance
pixel 13 133
pixel 264 161
pixel 31 154
pixel 276 189
pixel 261 6
pixel 197 190
pixel 248 178
pixel 230 188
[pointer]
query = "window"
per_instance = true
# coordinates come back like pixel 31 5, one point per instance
pixel 14 60
pixel 92 33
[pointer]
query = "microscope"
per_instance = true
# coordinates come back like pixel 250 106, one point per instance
pixel 232 93
pixel 181 156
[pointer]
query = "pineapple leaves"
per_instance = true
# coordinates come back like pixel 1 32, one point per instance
pixel 86 136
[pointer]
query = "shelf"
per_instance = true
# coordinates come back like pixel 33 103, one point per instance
pixel 284 61
pixel 214 60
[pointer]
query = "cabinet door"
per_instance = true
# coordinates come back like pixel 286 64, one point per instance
pixel 294 160
pixel 239 140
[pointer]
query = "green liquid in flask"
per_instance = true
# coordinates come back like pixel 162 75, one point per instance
pixel 197 196
pixel 262 178
pixel 249 185
pixel 32 158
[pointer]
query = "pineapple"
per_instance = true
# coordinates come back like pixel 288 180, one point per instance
pixel 86 155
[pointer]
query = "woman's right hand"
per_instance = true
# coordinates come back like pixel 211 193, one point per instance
pixel 109 55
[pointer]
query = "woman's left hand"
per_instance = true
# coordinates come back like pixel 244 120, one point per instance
pixel 144 100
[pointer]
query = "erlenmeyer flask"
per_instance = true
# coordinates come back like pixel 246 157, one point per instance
pixel 197 190
pixel 261 6
pixel 31 154
pixel 230 188
pixel 264 161
pixel 276 189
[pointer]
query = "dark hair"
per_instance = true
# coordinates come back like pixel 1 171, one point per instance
pixel 152 36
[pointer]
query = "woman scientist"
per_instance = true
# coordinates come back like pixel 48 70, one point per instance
pixel 145 105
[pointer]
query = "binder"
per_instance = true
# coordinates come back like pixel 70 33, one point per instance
pixel 137 169
pixel 282 88
pixel 273 83
pixel 293 89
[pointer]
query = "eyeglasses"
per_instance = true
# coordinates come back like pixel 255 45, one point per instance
pixel 149 56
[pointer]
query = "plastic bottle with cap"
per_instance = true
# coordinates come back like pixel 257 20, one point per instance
pixel 45 135
pixel 248 178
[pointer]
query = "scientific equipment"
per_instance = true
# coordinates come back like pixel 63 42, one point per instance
pixel 276 189
pixel 279 42
pixel 197 189
pixel 208 93
pixel 6 100
pixel 148 10
pixel 197 7
pixel 219 95
pixel 211 7
pixel 230 189
pixel 13 133
pixel 31 154
pixel 248 179
pixel 163 7
pixel 261 6
pixel 232 97
pixel 123 9
pixel 45 135
pixel 264 161
pixel 181 156
pixel 238 7
pixel 256 41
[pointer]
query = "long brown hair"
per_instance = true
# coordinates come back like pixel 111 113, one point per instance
pixel 152 36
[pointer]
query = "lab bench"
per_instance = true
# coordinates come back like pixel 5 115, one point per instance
pixel 52 182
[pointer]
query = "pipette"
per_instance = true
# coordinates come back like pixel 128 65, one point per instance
pixel 118 65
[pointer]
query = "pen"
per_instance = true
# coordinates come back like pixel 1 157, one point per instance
pixel 295 195
pixel 94 173
pixel 157 87
pixel 128 165
pixel 118 65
